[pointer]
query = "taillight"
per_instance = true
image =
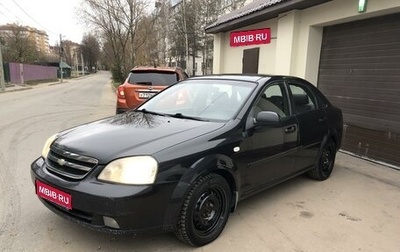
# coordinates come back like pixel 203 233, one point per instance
pixel 121 92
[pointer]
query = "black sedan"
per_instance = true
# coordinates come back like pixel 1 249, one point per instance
pixel 183 160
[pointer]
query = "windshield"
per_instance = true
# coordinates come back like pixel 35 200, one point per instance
pixel 201 99
pixel 157 78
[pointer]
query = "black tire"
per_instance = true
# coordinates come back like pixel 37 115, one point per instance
pixel 205 211
pixel 326 161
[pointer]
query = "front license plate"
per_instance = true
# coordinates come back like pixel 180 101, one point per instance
pixel 54 195
pixel 144 95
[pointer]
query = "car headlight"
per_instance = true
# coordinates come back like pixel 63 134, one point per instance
pixel 46 148
pixel 140 170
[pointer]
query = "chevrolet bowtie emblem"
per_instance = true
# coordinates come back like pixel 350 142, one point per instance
pixel 61 162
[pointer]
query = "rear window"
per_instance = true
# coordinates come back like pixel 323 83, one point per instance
pixel 153 78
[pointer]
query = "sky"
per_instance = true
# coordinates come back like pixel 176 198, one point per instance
pixel 55 17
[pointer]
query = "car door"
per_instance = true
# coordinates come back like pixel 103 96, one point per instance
pixel 312 122
pixel 269 150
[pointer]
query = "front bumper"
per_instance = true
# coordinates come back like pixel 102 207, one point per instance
pixel 136 209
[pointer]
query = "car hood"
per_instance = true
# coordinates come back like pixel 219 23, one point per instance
pixel 132 133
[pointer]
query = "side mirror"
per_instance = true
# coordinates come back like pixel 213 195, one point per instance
pixel 267 118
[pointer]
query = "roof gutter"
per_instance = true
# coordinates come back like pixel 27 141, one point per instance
pixel 262 15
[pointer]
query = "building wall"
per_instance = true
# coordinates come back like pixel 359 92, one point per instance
pixel 296 38
pixel 38 37
pixel 359 70
pixel 229 59
pixel 314 19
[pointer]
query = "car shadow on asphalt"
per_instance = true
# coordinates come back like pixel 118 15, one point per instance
pixel 92 240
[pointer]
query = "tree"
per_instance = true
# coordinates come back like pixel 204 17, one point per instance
pixel 90 49
pixel 188 37
pixel 118 22
pixel 149 51
pixel 19 46
pixel 161 29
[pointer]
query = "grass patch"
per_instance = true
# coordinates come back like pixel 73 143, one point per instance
pixel 115 84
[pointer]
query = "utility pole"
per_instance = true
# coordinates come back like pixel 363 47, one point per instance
pixel 61 54
pixel 83 67
pixel 76 63
pixel 194 54
pixel 2 84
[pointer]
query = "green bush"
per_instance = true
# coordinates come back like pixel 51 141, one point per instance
pixel 117 74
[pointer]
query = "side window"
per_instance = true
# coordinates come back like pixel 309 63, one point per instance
pixel 303 99
pixel 273 99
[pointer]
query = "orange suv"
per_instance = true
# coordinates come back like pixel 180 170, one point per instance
pixel 144 82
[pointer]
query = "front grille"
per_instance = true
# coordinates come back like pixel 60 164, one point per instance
pixel 69 164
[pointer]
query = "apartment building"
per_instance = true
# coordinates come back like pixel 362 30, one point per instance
pixel 38 37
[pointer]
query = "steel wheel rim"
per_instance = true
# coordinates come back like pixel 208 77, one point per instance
pixel 326 160
pixel 208 210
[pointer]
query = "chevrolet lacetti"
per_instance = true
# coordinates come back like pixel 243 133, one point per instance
pixel 182 160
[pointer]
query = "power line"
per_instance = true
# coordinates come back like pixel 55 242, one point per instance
pixel 33 18
pixel 9 12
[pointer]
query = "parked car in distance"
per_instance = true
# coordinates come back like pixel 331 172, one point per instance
pixel 182 160
pixel 143 82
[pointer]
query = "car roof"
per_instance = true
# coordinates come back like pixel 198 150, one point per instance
pixel 240 77
pixel 146 68
pixel 248 77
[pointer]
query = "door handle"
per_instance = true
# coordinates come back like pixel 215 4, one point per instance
pixel 322 119
pixel 290 129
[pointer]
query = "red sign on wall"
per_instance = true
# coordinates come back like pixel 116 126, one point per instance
pixel 251 37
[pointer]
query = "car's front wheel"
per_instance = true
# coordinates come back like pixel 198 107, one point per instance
pixel 325 163
pixel 205 210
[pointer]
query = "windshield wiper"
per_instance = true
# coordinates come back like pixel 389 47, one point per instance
pixel 145 111
pixel 180 115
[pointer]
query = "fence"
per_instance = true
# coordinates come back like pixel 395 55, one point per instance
pixel 22 73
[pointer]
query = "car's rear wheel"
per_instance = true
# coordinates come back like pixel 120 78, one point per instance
pixel 326 161
pixel 205 210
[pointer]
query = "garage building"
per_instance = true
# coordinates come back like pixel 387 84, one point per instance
pixel 350 49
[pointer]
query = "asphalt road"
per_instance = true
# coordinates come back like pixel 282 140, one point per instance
pixel 357 209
